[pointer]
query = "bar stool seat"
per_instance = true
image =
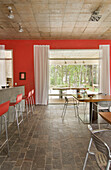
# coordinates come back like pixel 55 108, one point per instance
pixel 13 103
pixel 18 109
pixel 4 107
pixel 24 97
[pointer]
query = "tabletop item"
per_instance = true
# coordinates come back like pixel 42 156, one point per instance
pixel 91 95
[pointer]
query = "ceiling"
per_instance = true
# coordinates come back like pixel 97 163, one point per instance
pixel 55 19
pixel 74 57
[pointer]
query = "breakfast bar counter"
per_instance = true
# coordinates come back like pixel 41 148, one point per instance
pixel 11 94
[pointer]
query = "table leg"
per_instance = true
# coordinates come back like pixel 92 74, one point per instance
pixel 60 93
pixel 95 111
pixel 90 112
pixel 93 115
pixel 78 92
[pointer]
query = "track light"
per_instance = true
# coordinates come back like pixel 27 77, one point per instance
pixel 95 16
pixel 20 28
pixel 10 15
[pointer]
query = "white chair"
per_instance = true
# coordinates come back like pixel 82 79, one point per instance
pixel 103 106
pixel 102 154
pixel 70 101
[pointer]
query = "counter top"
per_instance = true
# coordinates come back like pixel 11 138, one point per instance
pixel 10 87
pixel 10 94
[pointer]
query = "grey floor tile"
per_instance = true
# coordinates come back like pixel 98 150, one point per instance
pixel 26 165
pixel 7 166
pixel 48 143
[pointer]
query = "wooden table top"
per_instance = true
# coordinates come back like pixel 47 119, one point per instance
pixel 79 88
pixel 70 88
pixel 96 98
pixel 61 88
pixel 106 116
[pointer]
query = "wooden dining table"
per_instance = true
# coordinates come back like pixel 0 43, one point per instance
pixel 106 116
pixel 95 99
pixel 61 89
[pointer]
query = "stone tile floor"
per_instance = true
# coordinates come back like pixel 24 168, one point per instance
pixel 48 143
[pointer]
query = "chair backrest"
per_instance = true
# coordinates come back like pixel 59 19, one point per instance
pixel 66 100
pixel 99 143
pixel 4 107
pixel 19 98
pixel 75 100
pixel 32 91
pixel 104 104
pixel 29 94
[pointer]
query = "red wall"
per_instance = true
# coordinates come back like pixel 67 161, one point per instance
pixel 23 54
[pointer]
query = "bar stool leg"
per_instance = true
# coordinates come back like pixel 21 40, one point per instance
pixel 21 113
pixel 29 104
pixel 26 107
pixel 14 116
pixel 33 102
pixel 1 126
pixel 5 119
pixel 30 101
pixel 17 120
pixel 27 110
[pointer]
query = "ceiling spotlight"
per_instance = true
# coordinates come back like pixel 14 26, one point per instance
pixel 20 28
pixel 10 15
pixel 95 16
pixel 95 12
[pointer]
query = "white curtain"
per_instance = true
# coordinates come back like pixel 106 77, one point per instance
pixel 105 69
pixel 2 66
pixel 41 53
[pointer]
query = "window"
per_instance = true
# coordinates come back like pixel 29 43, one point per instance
pixel 73 68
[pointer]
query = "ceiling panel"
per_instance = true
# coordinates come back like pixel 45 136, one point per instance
pixel 55 19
